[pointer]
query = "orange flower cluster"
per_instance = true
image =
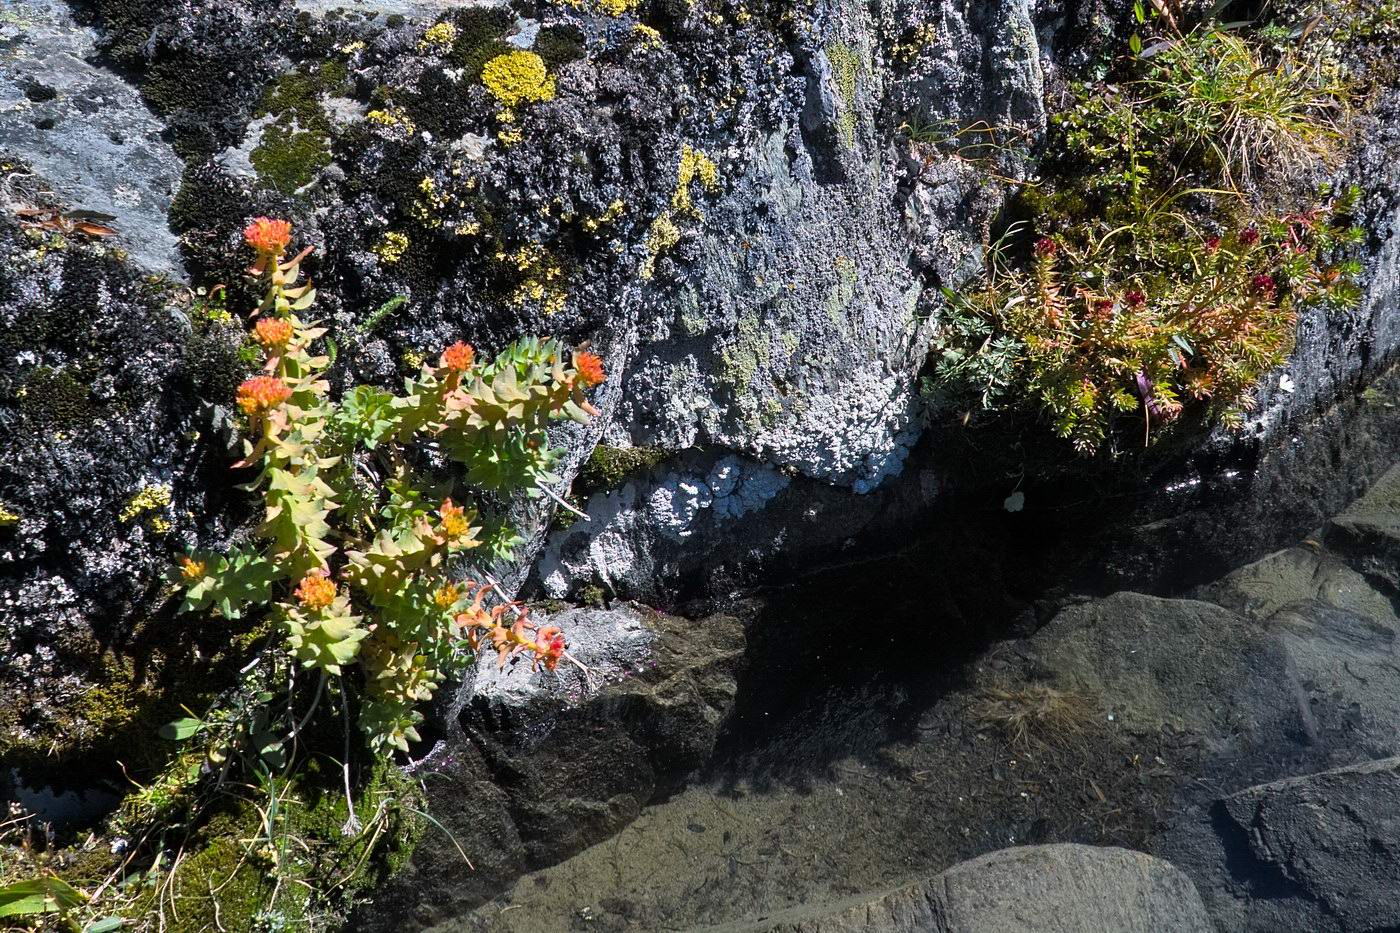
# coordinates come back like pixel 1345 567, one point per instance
pixel 191 569
pixel 267 236
pixel 315 591
pixel 274 333
pixel 262 394
pixel 480 625
pixel 458 358
pixel 590 369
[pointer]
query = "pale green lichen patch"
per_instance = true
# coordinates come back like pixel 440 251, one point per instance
pixel 846 68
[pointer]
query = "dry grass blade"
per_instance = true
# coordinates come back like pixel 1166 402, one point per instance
pixel 1256 118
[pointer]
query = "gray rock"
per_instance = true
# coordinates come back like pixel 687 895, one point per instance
pixel 1368 532
pixel 1061 888
pixel 84 131
pixel 1308 853
pixel 1171 664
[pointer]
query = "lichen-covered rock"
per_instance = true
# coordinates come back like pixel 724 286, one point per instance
pixel 112 461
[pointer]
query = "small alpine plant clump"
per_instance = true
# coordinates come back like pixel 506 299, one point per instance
pixel 1151 277
pixel 360 557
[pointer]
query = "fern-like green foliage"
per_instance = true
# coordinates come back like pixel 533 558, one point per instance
pixel 358 555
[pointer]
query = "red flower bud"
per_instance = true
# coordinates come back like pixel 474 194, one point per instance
pixel 590 369
pixel 1249 236
pixel 273 332
pixel 549 646
pixel 315 591
pixel 458 358
pixel 1045 247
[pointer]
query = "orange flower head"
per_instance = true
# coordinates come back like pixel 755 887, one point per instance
pixel 262 394
pixel 590 369
pixel 191 569
pixel 454 520
pixel 274 333
pixel 268 237
pixel 549 646
pixel 315 591
pixel 458 358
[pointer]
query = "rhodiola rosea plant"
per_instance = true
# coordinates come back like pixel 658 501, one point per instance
pixel 360 558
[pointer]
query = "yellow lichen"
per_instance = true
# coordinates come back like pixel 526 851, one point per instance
pixel 147 499
pixel 647 36
pixel 391 247
pixel 8 516
pixel 694 166
pixel 663 235
pixel 438 38
pixel 517 78
pixel 428 209
pixel 393 117
pixel 614 211
pixel 610 7
pixel 542 280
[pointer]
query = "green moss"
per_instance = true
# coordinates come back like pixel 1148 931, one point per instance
pixel 559 45
pixel 480 38
pixel 296 145
pixel 54 398
pixel 298 93
pixel 238 873
pixel 609 467
pixel 592 595
pixel 289 160
pixel 223 882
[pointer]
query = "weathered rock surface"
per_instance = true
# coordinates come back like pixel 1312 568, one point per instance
pixel 1307 853
pixel 768 334
pixel 1368 533
pixel 1132 720
pixel 84 132
pixel 774 342
pixel 1035 889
